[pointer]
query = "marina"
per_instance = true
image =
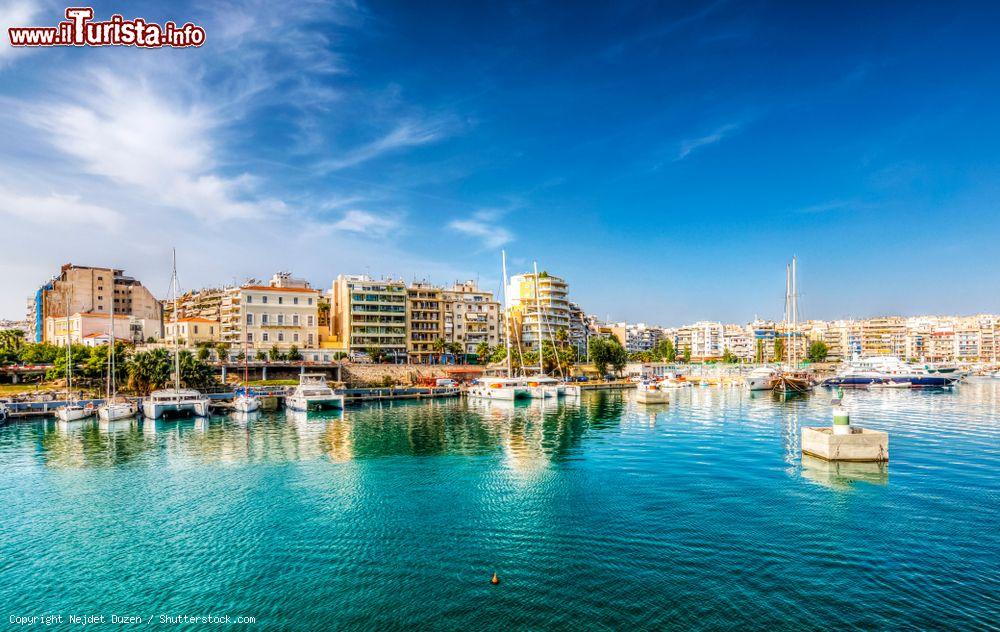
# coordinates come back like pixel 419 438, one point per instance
pixel 400 511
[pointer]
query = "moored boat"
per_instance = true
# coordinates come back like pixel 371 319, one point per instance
pixel 761 379
pixel 651 393
pixel 313 393
pixel 503 388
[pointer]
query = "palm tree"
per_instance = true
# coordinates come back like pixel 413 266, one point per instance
pixel 439 346
pixel 456 350
pixel 483 352
pixel 11 340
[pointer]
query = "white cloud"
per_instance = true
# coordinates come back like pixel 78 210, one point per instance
pixel 56 211
pixel 483 226
pixel 363 222
pixel 406 134
pixel 16 13
pixel 690 145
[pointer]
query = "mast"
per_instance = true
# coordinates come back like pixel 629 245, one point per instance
pixel 177 355
pixel 795 313
pixel 506 312
pixel 538 317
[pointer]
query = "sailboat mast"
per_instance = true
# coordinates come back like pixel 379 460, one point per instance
pixel 177 355
pixel 538 318
pixel 795 314
pixel 506 312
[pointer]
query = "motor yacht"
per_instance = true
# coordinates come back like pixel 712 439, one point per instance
pixel 880 369
pixel 313 393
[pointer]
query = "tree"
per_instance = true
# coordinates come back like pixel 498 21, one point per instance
pixel 377 354
pixel 729 357
pixel 818 351
pixel 759 351
pixel 687 354
pixel 439 346
pixel 274 353
pixel 483 352
pixel 779 349
pixel 203 352
pixel 664 351
pixel 149 370
pixel 40 353
pixel 605 352
pixel 11 341
pixel 293 354
pixel 455 349
pixel 260 356
pixel 222 351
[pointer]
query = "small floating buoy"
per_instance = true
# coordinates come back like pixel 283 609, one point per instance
pixel 495 580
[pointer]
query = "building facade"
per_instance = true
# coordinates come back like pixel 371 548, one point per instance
pixel 368 314
pixel 91 290
pixel 548 313
pixel 471 317
pixel 425 323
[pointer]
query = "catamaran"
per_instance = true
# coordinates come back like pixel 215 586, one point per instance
pixel 313 393
pixel 175 401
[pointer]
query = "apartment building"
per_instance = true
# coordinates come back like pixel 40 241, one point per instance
pixel 471 317
pixel 367 313
pixel 92 290
pixel 425 320
pixel 637 337
pixel 190 332
pixel 548 313
pixel 883 336
pixel 205 303
pixel 95 329
pixel 282 314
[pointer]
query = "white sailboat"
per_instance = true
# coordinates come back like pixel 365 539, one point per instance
pixel 175 401
pixel 246 401
pixel 114 407
pixel 506 388
pixel 73 410
pixel 791 379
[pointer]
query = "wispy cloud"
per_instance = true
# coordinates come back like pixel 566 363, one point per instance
pixel 366 223
pixel 687 147
pixel 15 13
pixel 406 134
pixel 57 211
pixel 484 226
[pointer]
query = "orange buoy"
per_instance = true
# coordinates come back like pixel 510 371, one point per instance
pixel 495 580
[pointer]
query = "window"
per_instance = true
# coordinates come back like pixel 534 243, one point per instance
pixel 195 331
pixel 295 300
pixel 263 336
pixel 281 299
pixel 249 318
pixel 310 339
pixel 281 319
pixel 295 320
pixel 249 298
pixel 310 301
pixel 263 299
pixel 263 319
pixel 281 337
pixel 310 320
pixel 249 336
pixel 295 337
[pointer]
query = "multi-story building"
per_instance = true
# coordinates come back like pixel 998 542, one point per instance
pixel 425 323
pixel 883 336
pixel 204 303
pixel 579 330
pixel 282 314
pixel 637 337
pixel 90 290
pixel 366 313
pixel 739 341
pixel 95 329
pixel 548 313
pixel 471 317
pixel 191 332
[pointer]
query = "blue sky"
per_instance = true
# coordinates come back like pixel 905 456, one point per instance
pixel 667 159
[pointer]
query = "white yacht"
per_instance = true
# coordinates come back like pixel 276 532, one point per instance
pixel 73 411
pixel 651 393
pixel 870 370
pixel 313 393
pixel 117 408
pixel 504 388
pixel 761 379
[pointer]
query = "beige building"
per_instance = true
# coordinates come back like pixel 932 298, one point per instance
pixel 282 314
pixel 471 317
pixel 95 329
pixel 366 313
pixel 190 332
pixel 550 309
pixel 90 290
pixel 425 323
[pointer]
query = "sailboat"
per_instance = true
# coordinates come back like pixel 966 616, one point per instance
pixel 790 379
pixel 73 410
pixel 175 401
pixel 506 388
pixel 114 407
pixel 246 401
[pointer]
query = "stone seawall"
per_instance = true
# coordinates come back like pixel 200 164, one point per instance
pixel 372 375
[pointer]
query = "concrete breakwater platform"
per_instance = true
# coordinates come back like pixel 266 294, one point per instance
pixel 857 445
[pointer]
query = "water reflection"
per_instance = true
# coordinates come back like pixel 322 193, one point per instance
pixel 843 475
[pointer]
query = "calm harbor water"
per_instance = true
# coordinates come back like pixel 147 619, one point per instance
pixel 604 514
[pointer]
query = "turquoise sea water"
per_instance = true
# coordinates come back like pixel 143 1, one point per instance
pixel 604 514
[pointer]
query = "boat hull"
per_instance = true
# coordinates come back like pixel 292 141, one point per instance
pixel 244 404
pixel 73 413
pixel 114 412
pixel 159 410
pixel 306 404
pixel 916 381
